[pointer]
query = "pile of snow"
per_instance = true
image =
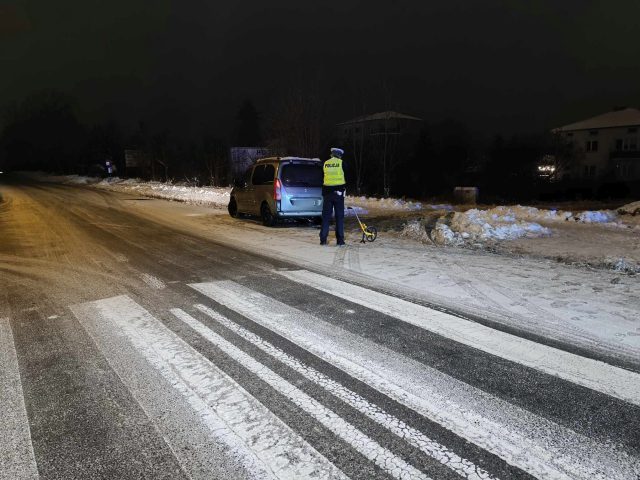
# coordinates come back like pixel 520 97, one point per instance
pixel 443 235
pixel 383 203
pixel 623 265
pixel 630 209
pixel 524 213
pixel 598 216
pixel 415 230
pixel 213 196
pixel 510 223
pixel 504 223
pixel 495 224
pixel 533 214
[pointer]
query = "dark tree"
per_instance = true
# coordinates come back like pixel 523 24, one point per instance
pixel 510 172
pixel 44 133
pixel 247 132
pixel 426 178
pixel 297 121
pixel 105 142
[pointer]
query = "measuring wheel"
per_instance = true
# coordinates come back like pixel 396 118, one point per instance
pixel 371 233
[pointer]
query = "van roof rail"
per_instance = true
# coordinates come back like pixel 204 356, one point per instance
pixel 277 159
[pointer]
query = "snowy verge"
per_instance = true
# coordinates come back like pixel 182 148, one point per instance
pixel 371 203
pixel 503 223
pixel 217 197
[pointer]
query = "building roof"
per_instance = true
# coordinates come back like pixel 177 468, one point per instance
pixel 380 116
pixel 627 117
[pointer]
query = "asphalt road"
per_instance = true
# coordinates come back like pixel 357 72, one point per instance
pixel 132 349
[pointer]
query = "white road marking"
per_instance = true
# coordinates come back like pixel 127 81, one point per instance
pixel 152 281
pixel 413 436
pixel 17 459
pixel 593 374
pixel 527 441
pixel 368 447
pixel 206 418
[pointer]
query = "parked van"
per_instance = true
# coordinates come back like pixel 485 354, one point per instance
pixel 279 187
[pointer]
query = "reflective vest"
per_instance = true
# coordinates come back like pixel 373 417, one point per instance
pixel 333 173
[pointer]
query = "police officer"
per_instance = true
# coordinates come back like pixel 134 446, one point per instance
pixel 333 191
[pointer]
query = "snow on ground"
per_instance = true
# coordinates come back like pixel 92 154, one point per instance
pixel 215 196
pixel 505 223
pixel 597 309
pixel 370 203
pixel 500 223
pixel 548 233
pixel 530 288
pixel 210 196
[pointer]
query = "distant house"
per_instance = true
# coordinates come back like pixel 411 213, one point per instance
pixel 379 124
pixel 605 147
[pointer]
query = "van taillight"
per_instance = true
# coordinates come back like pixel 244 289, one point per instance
pixel 276 189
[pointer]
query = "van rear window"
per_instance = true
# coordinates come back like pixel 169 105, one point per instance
pixel 301 175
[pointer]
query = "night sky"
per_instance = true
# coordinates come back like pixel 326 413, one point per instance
pixel 500 66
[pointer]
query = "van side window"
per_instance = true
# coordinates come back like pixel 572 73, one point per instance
pixel 257 175
pixel 263 175
pixel 269 173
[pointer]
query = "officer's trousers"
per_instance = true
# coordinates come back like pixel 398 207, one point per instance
pixel 333 202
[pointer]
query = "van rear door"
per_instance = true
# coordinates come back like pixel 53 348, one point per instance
pixel 301 187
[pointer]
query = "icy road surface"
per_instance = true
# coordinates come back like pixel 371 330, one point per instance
pixel 147 339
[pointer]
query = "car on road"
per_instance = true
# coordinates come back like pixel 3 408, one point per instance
pixel 276 188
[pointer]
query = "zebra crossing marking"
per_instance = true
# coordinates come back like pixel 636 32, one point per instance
pixel 413 436
pixel 528 441
pixel 362 443
pixel 251 434
pixel 17 459
pixel 594 374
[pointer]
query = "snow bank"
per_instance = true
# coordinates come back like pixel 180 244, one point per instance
pixel 212 196
pixel 623 265
pixel 506 223
pixel 598 216
pixel 533 214
pixel 501 223
pixel 415 230
pixel 630 209
pixel 383 203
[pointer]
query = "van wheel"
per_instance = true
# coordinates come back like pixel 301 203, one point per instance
pixel 233 208
pixel 268 218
